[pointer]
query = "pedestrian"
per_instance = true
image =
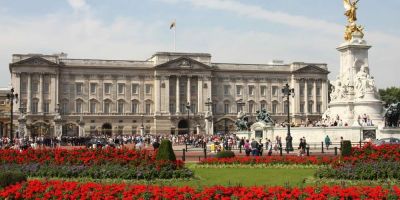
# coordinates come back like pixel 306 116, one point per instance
pixel 247 149
pixel 156 144
pixel 269 147
pixel 327 142
pixel 254 147
pixel 302 147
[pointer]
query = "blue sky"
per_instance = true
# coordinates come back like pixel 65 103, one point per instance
pixel 244 31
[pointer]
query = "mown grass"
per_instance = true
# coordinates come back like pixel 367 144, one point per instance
pixel 226 177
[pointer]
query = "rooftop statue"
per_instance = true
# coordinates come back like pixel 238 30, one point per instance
pixel 351 10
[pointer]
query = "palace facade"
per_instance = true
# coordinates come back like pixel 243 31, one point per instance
pixel 61 95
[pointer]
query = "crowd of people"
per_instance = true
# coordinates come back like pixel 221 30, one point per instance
pixel 362 120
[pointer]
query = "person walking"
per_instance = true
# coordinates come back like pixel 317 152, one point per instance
pixel 254 147
pixel 327 142
pixel 302 147
pixel 247 148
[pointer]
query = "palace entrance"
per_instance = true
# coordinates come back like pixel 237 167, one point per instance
pixel 106 129
pixel 183 127
pixel 70 130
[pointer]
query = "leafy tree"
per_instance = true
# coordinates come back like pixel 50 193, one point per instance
pixel 390 95
pixel 165 151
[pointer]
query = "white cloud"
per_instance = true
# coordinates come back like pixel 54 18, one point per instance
pixel 78 5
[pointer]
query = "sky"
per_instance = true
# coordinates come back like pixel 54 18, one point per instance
pixel 235 31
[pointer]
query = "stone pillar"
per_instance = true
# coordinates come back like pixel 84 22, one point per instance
pixel 306 96
pixel 315 96
pixel 293 102
pixel 200 98
pixel 114 95
pixel 29 92
pixel 324 96
pixel 40 93
pixel 100 94
pixel 177 96
pixel 22 126
pixel 53 93
pixel 297 96
pixel 188 90
pixel 166 94
pixel 157 91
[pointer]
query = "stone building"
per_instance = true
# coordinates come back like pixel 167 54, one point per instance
pixel 5 114
pixel 93 97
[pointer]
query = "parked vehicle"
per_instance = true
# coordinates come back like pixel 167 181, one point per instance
pixel 387 141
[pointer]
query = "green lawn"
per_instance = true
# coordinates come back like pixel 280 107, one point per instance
pixel 227 177
pixel 248 176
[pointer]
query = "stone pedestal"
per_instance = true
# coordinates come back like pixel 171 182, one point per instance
pixel 209 123
pixel 261 130
pixel 22 127
pixel 354 92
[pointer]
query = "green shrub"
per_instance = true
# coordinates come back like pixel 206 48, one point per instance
pixel 165 151
pixel 225 154
pixel 346 148
pixel 10 177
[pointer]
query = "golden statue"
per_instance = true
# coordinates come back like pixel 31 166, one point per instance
pixel 351 8
pixel 350 29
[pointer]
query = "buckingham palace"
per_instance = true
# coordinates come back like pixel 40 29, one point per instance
pixel 169 93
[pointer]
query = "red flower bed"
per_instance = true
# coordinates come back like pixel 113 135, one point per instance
pixel 368 153
pixel 76 156
pixel 36 189
pixel 314 160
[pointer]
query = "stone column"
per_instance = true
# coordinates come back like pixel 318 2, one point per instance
pixel 315 96
pixel 306 96
pixel 177 96
pixel 188 90
pixel 166 94
pixel 324 95
pixel 200 98
pixel 100 94
pixel 40 93
pixel 53 93
pixel 157 94
pixel 114 95
pixel 29 92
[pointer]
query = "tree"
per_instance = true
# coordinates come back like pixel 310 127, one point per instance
pixel 390 95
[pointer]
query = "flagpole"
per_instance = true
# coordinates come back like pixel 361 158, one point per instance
pixel 175 36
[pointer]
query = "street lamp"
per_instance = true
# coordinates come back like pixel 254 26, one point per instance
pixel 287 92
pixel 208 116
pixel 11 97
pixel 142 127
pixel 188 119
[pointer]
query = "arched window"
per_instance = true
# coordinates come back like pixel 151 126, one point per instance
pixel 78 106
pixel 275 107
pixel 135 106
pixel 93 106
pixel 120 106
pixel 251 108
pixel 227 109
pixel 107 106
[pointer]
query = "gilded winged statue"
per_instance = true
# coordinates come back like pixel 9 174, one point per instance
pixel 351 8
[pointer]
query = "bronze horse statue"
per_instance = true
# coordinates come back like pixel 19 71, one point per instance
pixel 392 115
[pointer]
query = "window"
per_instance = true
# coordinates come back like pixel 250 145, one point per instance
pixel 318 107
pixel 65 88
pixel 275 91
pixel 134 107
pixel 263 90
pixel 78 107
pixel 120 130
pixel 148 89
pixel 46 87
pixel 251 90
pixel 310 107
pixel 263 105
pixel 107 88
pixel 239 90
pixel 318 91
pixel 79 88
pixel 301 90
pixel 226 89
pixel 274 107
pixel 172 108
pixel 285 107
pixel 23 86
pixel 214 108
pixel 309 90
pixel 135 88
pixel 182 108
pixel 148 108
pixel 35 87
pixel 64 107
pixel 34 107
pixel 302 107
pixel 92 107
pixel 107 107
pixel 120 107
pixel 193 108
pixel 93 88
pixel 46 106
pixel 121 88
pixel 226 108
pixel 251 107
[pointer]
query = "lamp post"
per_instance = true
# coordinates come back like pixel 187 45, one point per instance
pixel 11 97
pixel 188 119
pixel 142 127
pixel 208 116
pixel 287 92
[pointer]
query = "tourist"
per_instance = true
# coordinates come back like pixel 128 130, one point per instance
pixel 254 147
pixel 302 147
pixel 260 148
pixel 247 148
pixel 156 144
pixel 269 147
pixel 327 142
